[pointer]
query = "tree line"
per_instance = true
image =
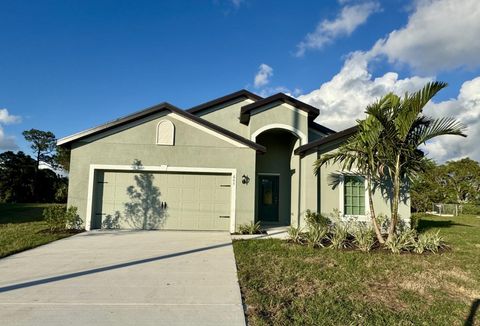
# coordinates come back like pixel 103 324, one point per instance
pixel 454 182
pixel 24 178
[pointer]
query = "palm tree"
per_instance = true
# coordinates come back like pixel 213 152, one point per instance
pixel 360 151
pixel 403 127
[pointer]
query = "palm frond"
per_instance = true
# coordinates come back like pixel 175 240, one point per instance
pixel 440 127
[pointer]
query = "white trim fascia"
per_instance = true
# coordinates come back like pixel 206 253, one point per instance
pixel 160 168
pixel 88 213
pixel 205 129
pixel 341 204
pixel 298 133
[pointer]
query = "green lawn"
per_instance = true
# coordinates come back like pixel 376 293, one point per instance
pixel 285 284
pixel 22 227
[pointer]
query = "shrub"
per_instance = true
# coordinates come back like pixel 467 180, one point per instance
pixel 59 218
pixel 383 222
pixel 295 234
pixel 470 209
pixel 315 235
pixel 249 228
pixel 432 241
pixel 338 235
pixel 73 220
pixel 402 241
pixel 414 220
pixel 364 237
pixel 314 219
pixel 55 217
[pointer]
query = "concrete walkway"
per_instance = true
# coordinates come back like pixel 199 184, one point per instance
pixel 123 278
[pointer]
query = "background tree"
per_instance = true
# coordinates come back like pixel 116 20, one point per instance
pixel 61 158
pixel 43 144
pixel 17 178
pixel 455 182
pixel 462 179
pixel 17 174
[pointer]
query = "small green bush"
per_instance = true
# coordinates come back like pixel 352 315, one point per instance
pixel 338 235
pixel 363 237
pixel 470 209
pixel 249 228
pixel 314 219
pixel 316 235
pixel 429 241
pixel 414 220
pixel 295 235
pixel 433 241
pixel 55 217
pixel 402 241
pixel 59 218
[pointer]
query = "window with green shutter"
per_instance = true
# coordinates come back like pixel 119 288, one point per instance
pixel 354 195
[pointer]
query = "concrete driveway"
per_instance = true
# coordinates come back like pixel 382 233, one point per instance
pixel 123 278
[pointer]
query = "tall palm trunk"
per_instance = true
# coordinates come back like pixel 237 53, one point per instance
pixel 395 199
pixel 376 228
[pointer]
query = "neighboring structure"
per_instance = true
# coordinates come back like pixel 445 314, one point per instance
pixel 234 160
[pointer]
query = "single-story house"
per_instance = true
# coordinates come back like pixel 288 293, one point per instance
pixel 237 159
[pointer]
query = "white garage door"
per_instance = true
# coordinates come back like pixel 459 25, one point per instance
pixel 153 200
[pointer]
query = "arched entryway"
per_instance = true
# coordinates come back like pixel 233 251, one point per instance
pixel 276 175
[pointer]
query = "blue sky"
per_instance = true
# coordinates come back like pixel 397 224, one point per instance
pixel 69 65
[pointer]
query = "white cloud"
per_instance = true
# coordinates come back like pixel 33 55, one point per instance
pixel 351 17
pixel 7 118
pixel 236 3
pixel 263 75
pixel 466 108
pixel 7 142
pixel 440 35
pixel 344 98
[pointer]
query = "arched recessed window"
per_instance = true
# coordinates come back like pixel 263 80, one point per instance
pixel 165 133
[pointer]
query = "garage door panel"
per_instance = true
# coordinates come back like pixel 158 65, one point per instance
pixel 193 201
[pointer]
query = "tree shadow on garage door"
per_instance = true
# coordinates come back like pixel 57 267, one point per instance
pixel 144 210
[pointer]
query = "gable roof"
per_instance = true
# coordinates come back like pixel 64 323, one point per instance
pixel 240 95
pixel 152 110
pixel 325 140
pixel 279 97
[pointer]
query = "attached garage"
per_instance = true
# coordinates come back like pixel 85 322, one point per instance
pixel 173 200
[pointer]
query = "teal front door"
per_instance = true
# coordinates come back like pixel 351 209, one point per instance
pixel 268 198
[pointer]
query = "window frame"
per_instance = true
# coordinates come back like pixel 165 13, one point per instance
pixel 341 205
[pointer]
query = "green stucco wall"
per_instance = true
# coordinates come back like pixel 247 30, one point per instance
pixel 193 148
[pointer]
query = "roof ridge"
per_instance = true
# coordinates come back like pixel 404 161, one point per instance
pixel 219 100
pixel 154 109
pixel 312 111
